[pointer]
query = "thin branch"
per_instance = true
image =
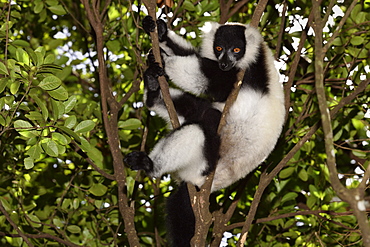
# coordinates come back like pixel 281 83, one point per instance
pixel 110 120
pixel 7 35
pixel 293 68
pixel 293 214
pixel 41 235
pixel 151 7
pixel 263 184
pixel 14 225
pixel 339 27
pixel 281 32
pixel 91 162
pixel 258 13
pixel 353 197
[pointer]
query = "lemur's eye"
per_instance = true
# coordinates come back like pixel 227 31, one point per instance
pixel 236 50
pixel 218 48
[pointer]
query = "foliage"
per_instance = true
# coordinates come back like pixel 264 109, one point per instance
pixel 59 180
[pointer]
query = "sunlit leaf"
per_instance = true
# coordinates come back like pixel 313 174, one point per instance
pixel 3 69
pixel 28 163
pixel 287 172
pixel 70 103
pixel 50 147
pixel 98 189
pixel 22 125
pixel 70 122
pixel 59 138
pixel 50 83
pixel 130 124
pixel 57 9
pixel 85 126
pixel 59 93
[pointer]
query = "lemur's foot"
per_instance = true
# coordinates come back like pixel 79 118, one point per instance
pixel 151 76
pixel 139 161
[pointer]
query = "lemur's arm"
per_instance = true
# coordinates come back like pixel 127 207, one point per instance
pixel 181 61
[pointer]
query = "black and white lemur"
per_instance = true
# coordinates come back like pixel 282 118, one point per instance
pixel 204 80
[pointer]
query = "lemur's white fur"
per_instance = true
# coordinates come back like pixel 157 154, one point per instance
pixel 252 126
pixel 190 78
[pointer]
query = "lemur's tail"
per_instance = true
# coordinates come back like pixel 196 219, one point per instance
pixel 180 218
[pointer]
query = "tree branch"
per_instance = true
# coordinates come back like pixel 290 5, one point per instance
pixel 268 177
pixel 151 7
pixel 41 235
pixel 353 197
pixel 110 119
pixel 14 225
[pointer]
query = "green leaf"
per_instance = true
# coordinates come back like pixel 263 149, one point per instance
pixel 359 153
pixel 14 87
pixel 34 115
pixel 289 196
pixel 70 133
pixel 61 139
pixel 50 147
pixel 40 103
pixel 59 94
pixel 57 9
pixel 39 6
pixel 74 229
pixel 58 109
pixel 40 57
pixel 50 83
pixel 113 45
pixel 49 59
pixel 98 189
pixel 285 173
pixel 28 163
pixel 357 40
pixel 95 155
pixel 35 221
pixel 130 124
pixel 20 42
pixel 70 103
pixel 70 122
pixel 22 56
pixel 34 152
pixel 21 125
pixel 303 175
pixel 188 5
pixel 85 126
pixel 3 69
pixel 3 83
pixel 311 201
pixel 57 222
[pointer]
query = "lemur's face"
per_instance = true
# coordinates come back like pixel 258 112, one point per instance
pixel 229 45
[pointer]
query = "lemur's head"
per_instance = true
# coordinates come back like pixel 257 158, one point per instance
pixel 233 45
pixel 229 45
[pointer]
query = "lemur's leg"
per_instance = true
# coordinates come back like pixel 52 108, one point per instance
pixel 181 152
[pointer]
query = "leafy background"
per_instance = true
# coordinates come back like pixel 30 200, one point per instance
pixel 71 107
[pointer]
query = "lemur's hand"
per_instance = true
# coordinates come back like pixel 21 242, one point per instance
pixel 149 26
pixel 139 161
pixel 162 30
pixel 151 76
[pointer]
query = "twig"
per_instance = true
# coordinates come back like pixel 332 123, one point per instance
pixel 14 225
pixel 151 7
pixel 339 27
pixel 261 6
pixel 110 120
pixel 353 197
pixel 41 235
pixel 262 185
